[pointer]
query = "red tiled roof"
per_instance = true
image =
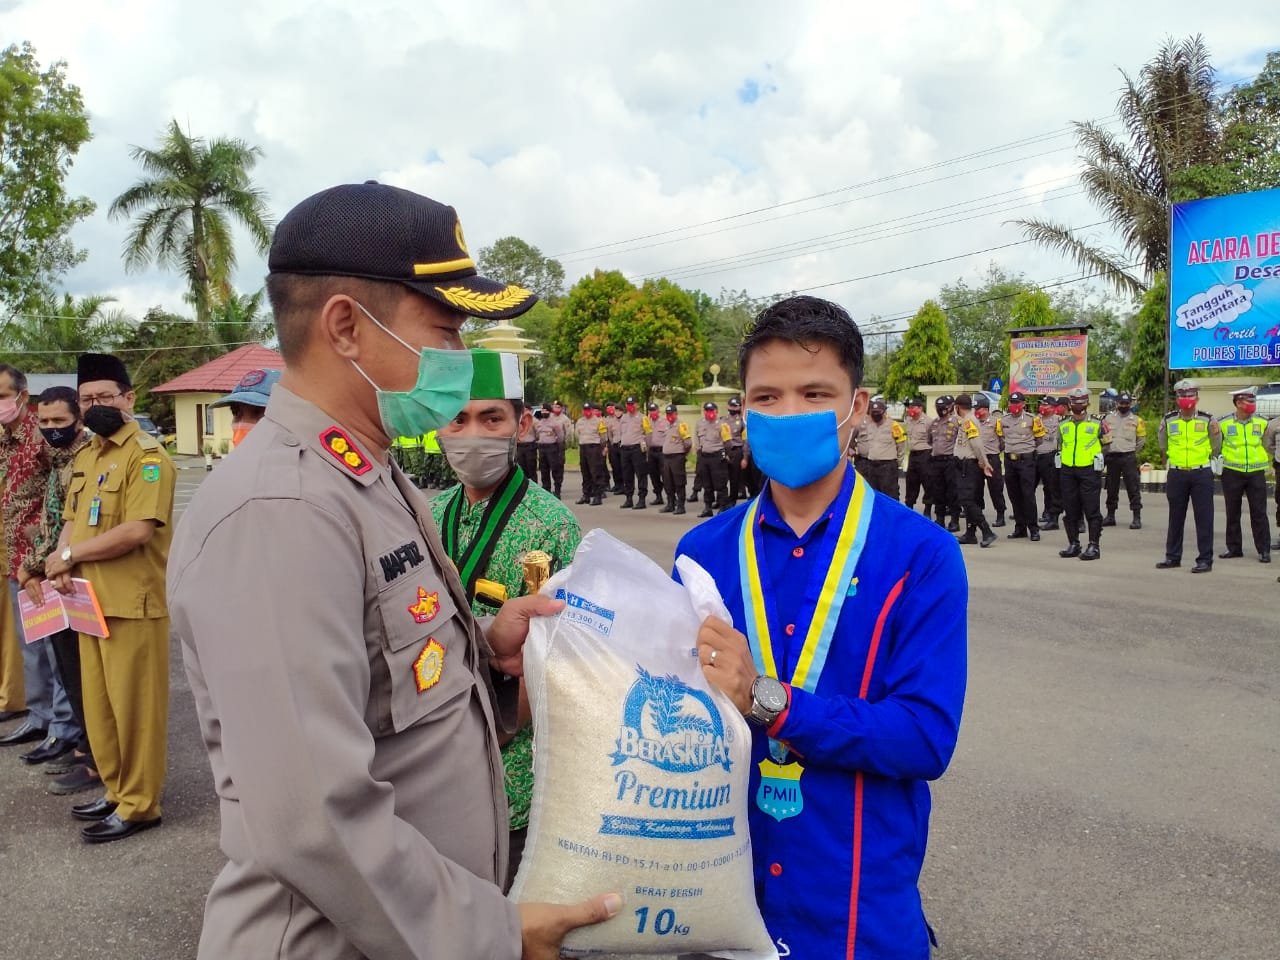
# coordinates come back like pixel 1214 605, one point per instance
pixel 222 375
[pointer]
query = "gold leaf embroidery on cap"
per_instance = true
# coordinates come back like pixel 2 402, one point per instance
pixel 466 299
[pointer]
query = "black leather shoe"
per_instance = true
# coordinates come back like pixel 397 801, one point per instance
pixel 1109 520
pixel 27 733
pixel 970 536
pixel 94 809
pixel 1202 567
pixel 1230 555
pixel 7 715
pixel 1050 525
pixel 1018 534
pixel 595 502
pixel 113 828
pixel 1091 552
pixel 640 504
pixel 693 497
pixel 1136 522
pixel 706 512
pixel 1073 550
pixel 1168 564
pixel 987 540
pixel 51 749
pixel 1264 558
pixel 656 501
pixel 1034 535
pixel 626 504
pixel 999 522
pixel 953 526
pixel 679 511
pixel 669 508
pixel 582 500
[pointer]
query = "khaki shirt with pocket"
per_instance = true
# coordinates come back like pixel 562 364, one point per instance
pixel 346 701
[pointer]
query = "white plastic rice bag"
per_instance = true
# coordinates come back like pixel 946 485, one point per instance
pixel 640 767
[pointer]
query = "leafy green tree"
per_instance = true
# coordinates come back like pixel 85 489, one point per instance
pixel 539 325
pixel 48 339
pixel 183 208
pixel 1172 129
pixel 925 355
pixel 1145 374
pixel 512 260
pixel 979 317
pixel 43 125
pixel 614 339
pixel 725 320
pixel 162 346
pixel 1251 130
pixel 241 319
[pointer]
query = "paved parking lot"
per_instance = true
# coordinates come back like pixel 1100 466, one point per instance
pixel 1114 795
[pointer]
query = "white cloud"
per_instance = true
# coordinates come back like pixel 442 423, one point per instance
pixel 576 124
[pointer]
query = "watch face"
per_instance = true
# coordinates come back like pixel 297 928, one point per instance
pixel 771 694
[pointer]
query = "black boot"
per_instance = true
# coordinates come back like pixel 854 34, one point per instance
pixel 954 525
pixel 584 499
pixel 679 510
pixel 557 493
pixel 626 504
pixel 693 497
pixel 640 503
pixel 999 520
pixel 1136 522
pixel 706 511
pixel 595 501
pixel 1051 524
pixel 1073 550
pixel 657 500
pixel 988 537
pixel 1110 519
pixel 1034 534
pixel 1019 533
pixel 1091 552
pixel 669 508
pixel 970 536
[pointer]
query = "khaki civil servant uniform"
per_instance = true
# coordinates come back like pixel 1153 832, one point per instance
pixel 346 701
pixel 125 676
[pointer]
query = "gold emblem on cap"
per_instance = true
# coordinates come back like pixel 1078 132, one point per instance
pixel 457 235
pixel 469 300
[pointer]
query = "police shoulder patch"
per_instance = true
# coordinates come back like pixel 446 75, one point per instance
pixel 343 449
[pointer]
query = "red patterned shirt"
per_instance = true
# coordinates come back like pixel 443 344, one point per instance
pixel 25 464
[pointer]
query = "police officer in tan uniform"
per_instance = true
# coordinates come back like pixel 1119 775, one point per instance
pixel 119 521
pixel 942 464
pixel 917 428
pixel 1021 431
pixel 992 445
pixel 711 436
pixel 1047 463
pixel 346 695
pixel 613 449
pixel 878 447
pixel 593 435
pixel 654 437
pixel 633 427
pixel 676 444
pixel 971 467
pixel 1128 433
pixel 550 435
pixel 735 451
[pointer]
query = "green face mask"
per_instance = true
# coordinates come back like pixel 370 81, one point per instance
pixel 442 390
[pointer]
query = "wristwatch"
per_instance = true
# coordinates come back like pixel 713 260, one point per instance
pixel 768 699
pixel 65 555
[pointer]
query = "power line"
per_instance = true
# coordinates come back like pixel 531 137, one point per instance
pixel 184 346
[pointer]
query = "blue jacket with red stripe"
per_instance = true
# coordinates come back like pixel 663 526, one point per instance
pixel 840 878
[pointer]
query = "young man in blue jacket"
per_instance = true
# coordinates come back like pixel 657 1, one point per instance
pixel 847 651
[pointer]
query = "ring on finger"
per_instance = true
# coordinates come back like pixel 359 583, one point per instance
pixel 713 656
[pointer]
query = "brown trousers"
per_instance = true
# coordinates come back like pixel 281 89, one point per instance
pixel 126 710
pixel 13 693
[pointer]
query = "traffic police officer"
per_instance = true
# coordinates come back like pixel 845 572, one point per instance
pixel 1021 431
pixel 1244 475
pixel 971 466
pixel 1189 440
pixel 1082 440
pixel 879 443
pixel 677 441
pixel 654 436
pixel 735 452
pixel 992 445
pixel 1047 463
pixel 942 464
pixel 347 696
pixel 592 434
pixel 1128 433
pixel 119 523
pixel 917 428
pixel 712 437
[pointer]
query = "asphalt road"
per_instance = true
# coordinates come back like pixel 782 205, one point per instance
pixel 1114 794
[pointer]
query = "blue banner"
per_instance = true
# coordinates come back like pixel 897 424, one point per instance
pixel 1224 304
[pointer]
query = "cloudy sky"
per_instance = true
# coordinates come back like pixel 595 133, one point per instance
pixel 868 152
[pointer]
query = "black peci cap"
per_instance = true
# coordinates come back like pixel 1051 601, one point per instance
pixel 377 232
pixel 91 367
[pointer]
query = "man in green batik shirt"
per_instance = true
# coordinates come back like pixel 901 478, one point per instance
pixel 490 521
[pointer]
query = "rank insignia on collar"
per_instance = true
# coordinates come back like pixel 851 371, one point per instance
pixel 343 449
pixel 426 607
pixel 429 665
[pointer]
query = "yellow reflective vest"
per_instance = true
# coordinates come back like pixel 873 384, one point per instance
pixel 1242 444
pixel 1081 441
pixel 1188 440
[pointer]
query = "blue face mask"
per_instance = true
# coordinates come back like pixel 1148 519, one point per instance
pixel 796 450
pixel 442 390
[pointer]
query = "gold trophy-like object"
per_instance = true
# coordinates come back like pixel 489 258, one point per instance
pixel 537 570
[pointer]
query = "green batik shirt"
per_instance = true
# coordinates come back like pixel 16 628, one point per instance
pixel 539 522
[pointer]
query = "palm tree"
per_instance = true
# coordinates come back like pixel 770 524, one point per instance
pixel 49 339
pixel 183 209
pixel 239 319
pixel 1171 125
